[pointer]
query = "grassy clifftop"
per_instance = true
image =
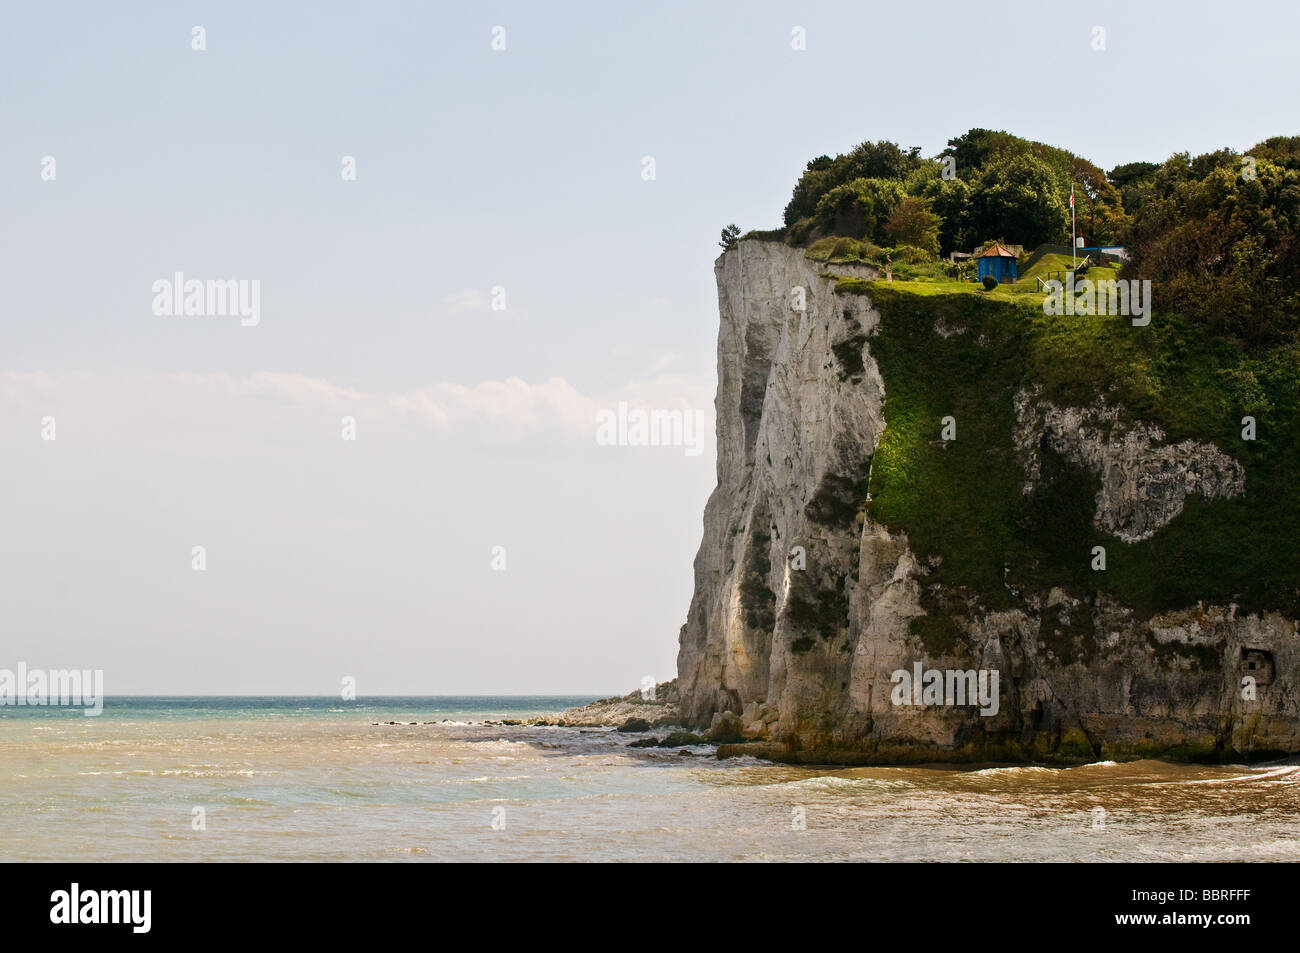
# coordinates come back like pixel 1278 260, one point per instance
pixel 961 500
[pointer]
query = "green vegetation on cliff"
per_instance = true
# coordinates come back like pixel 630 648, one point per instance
pixel 1218 235
pixel 962 500
pixel 984 184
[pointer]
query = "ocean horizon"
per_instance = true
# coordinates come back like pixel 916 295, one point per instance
pixel 120 704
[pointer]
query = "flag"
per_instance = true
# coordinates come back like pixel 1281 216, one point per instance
pixel 1072 196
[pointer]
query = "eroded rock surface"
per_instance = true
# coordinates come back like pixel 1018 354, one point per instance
pixel 1144 481
pixel 658 710
pixel 804 606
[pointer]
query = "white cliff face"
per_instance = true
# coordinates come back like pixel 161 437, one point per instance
pixel 1144 482
pixel 796 427
pixel 804 606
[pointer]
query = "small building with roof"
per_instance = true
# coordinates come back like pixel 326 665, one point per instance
pixel 999 262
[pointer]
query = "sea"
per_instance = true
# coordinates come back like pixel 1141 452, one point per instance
pixel 318 779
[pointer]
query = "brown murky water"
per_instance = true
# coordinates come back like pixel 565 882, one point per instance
pixel 329 785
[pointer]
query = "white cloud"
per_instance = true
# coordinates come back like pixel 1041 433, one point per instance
pixel 221 413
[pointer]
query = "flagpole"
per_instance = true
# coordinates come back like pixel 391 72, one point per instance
pixel 1073 256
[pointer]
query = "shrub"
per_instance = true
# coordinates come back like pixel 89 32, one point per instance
pixel 837 249
pixel 858 209
pixel 912 224
pixel 878 160
pixel 989 282
pixel 1220 247
pixel 911 255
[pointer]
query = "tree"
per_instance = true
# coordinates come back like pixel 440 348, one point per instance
pixel 1219 239
pixel 858 209
pixel 816 181
pixel 1098 206
pixel 730 235
pixel 880 160
pixel 867 160
pixel 1128 178
pixel 973 150
pixel 949 200
pixel 912 223
pixel 1019 197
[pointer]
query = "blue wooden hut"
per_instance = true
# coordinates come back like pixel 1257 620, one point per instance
pixel 997 260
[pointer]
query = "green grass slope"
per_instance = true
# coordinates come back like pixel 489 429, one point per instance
pixel 962 500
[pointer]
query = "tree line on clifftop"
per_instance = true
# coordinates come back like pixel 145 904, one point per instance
pixel 1218 234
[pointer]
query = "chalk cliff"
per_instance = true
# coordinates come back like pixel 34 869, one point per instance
pixel 805 604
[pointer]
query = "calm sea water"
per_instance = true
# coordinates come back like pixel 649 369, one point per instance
pixel 301 779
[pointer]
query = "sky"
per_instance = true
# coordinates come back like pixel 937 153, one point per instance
pixel 500 271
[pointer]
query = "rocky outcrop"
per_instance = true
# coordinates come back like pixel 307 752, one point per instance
pixel 638 711
pixel 1144 482
pixel 806 610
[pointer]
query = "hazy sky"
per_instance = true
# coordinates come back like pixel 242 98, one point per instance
pixel 476 169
